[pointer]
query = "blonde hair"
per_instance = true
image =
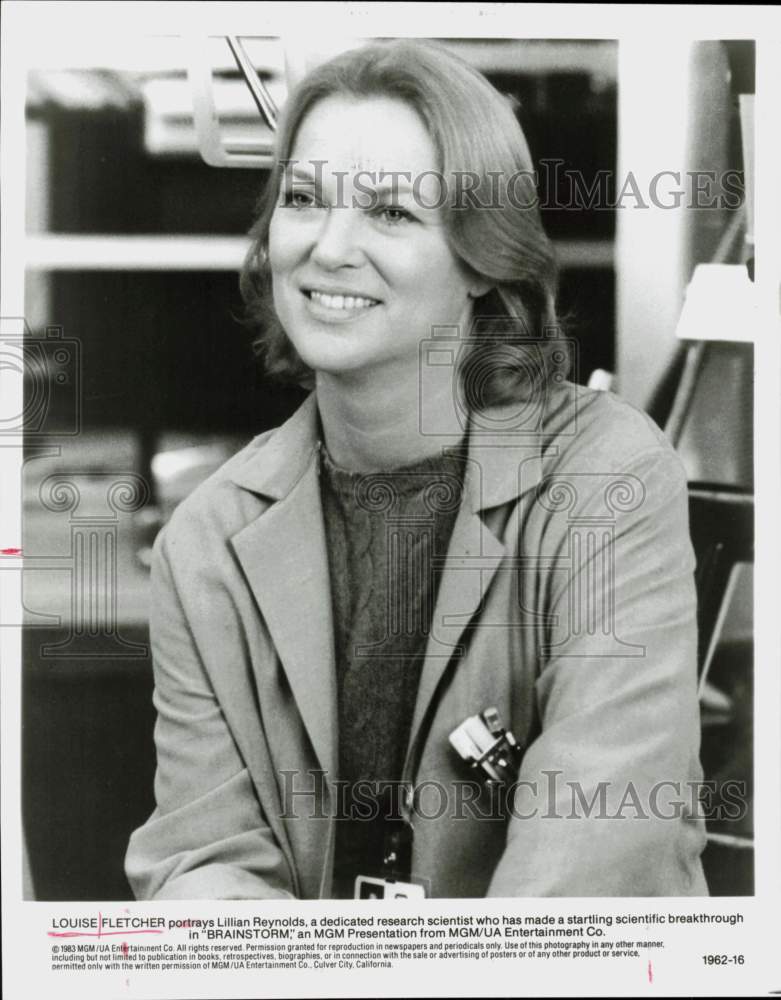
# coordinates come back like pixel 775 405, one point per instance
pixel 474 131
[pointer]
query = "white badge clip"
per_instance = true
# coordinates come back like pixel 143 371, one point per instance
pixel 383 888
pixel 483 742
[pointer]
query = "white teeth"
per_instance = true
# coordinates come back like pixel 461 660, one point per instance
pixel 345 302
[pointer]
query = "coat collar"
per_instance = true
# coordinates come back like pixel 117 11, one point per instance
pixel 284 557
pixel 501 466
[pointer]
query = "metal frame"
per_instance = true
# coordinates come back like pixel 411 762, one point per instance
pixel 216 151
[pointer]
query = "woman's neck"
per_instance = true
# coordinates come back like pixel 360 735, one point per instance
pixel 374 424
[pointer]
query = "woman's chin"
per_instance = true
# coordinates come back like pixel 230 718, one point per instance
pixel 341 358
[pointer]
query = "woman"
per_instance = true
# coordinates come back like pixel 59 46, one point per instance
pixel 445 526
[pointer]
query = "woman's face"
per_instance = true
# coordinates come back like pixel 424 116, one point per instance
pixel 362 272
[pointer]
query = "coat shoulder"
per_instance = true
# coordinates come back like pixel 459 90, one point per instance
pixel 218 507
pixel 597 431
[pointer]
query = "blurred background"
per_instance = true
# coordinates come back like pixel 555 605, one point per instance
pixel 144 165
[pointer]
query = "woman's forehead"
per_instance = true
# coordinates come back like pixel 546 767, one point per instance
pixel 374 134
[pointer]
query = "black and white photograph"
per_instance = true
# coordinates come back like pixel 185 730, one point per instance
pixel 391 412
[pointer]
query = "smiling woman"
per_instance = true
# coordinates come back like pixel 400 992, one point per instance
pixel 359 281
pixel 436 634
pixel 423 142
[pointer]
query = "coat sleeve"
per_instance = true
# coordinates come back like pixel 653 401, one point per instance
pixel 606 798
pixel 207 838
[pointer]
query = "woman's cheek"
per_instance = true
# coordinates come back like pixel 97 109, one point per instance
pixel 278 243
pixel 282 299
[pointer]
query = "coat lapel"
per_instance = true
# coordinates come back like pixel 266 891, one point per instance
pixel 283 555
pixel 498 472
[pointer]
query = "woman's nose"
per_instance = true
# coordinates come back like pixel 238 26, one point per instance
pixel 338 243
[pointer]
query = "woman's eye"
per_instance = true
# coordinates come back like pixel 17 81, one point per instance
pixel 299 199
pixel 394 215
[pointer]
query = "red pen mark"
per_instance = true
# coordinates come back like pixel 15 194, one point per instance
pixel 10 552
pixel 650 973
pixel 125 949
pixel 101 933
pixel 65 934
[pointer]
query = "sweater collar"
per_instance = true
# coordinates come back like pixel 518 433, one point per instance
pixel 501 464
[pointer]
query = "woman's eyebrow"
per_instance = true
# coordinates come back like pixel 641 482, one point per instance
pixel 392 188
pixel 302 175
pixel 397 184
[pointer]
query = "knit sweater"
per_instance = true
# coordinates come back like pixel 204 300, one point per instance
pixel 387 535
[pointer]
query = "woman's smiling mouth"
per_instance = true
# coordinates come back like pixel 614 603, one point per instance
pixel 338 305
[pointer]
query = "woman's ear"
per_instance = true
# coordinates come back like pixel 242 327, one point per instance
pixel 479 288
pixel 476 284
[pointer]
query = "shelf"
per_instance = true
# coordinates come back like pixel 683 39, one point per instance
pixel 152 55
pixel 538 56
pixel 64 252
pixel 135 253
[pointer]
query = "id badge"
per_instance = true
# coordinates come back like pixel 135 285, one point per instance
pixel 383 888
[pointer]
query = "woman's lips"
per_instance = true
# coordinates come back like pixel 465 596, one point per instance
pixel 341 301
pixel 338 307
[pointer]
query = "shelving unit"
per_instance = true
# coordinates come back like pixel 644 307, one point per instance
pixel 116 145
